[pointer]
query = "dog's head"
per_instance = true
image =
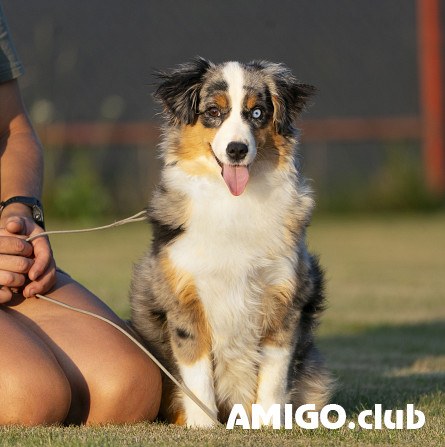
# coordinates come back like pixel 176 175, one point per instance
pixel 233 110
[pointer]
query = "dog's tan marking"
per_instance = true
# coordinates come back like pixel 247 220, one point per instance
pixel 221 101
pixel 181 282
pixel 282 147
pixel 276 109
pixel 189 316
pixel 251 101
pixel 194 141
pixel 179 418
pixel 276 302
pixel 171 403
pixel 285 149
pixel 194 153
pixel 293 230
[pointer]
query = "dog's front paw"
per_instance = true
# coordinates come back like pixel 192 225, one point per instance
pixel 199 419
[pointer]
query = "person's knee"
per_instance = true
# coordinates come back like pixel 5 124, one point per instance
pixel 130 392
pixel 34 396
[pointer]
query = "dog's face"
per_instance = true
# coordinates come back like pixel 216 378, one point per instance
pixel 231 113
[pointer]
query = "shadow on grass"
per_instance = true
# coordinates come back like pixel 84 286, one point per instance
pixel 389 365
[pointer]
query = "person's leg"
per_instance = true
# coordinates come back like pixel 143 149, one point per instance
pixel 33 387
pixel 111 379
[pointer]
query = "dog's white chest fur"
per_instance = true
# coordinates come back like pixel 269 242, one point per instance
pixel 233 247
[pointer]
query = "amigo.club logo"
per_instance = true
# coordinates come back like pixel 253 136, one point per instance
pixel 305 416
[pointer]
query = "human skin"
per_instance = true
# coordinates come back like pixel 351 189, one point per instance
pixel 57 366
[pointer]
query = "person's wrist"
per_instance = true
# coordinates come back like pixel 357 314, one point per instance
pixel 31 202
pixel 16 210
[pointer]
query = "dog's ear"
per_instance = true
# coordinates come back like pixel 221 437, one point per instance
pixel 179 90
pixel 289 96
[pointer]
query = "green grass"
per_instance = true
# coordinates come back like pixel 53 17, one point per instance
pixel 383 334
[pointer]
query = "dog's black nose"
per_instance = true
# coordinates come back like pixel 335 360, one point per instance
pixel 237 151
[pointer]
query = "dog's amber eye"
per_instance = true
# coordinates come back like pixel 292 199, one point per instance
pixel 256 113
pixel 214 112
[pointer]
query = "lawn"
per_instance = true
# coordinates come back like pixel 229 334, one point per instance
pixel 383 334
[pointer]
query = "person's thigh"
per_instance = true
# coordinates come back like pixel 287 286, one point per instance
pixel 111 378
pixel 33 387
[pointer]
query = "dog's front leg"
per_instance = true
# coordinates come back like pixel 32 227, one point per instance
pixel 273 376
pixel 198 378
pixel 191 344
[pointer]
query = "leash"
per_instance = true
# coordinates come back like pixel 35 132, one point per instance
pixel 135 218
pixel 142 215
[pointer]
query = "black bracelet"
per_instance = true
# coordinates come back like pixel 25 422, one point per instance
pixel 32 203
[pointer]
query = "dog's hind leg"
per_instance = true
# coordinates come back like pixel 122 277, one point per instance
pixel 310 382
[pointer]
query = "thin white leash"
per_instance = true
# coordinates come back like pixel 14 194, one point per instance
pixel 136 218
pixel 142 215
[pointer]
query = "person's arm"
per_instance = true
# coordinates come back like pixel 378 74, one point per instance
pixel 21 174
pixel 21 153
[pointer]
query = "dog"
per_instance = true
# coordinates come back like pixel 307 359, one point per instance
pixel 228 297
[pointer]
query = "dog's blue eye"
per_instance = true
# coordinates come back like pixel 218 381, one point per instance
pixel 257 113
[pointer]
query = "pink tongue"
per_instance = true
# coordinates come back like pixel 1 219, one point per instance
pixel 236 178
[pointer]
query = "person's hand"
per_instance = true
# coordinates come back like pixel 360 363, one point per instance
pixel 39 264
pixel 15 263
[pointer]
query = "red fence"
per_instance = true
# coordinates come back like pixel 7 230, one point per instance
pixel 313 130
